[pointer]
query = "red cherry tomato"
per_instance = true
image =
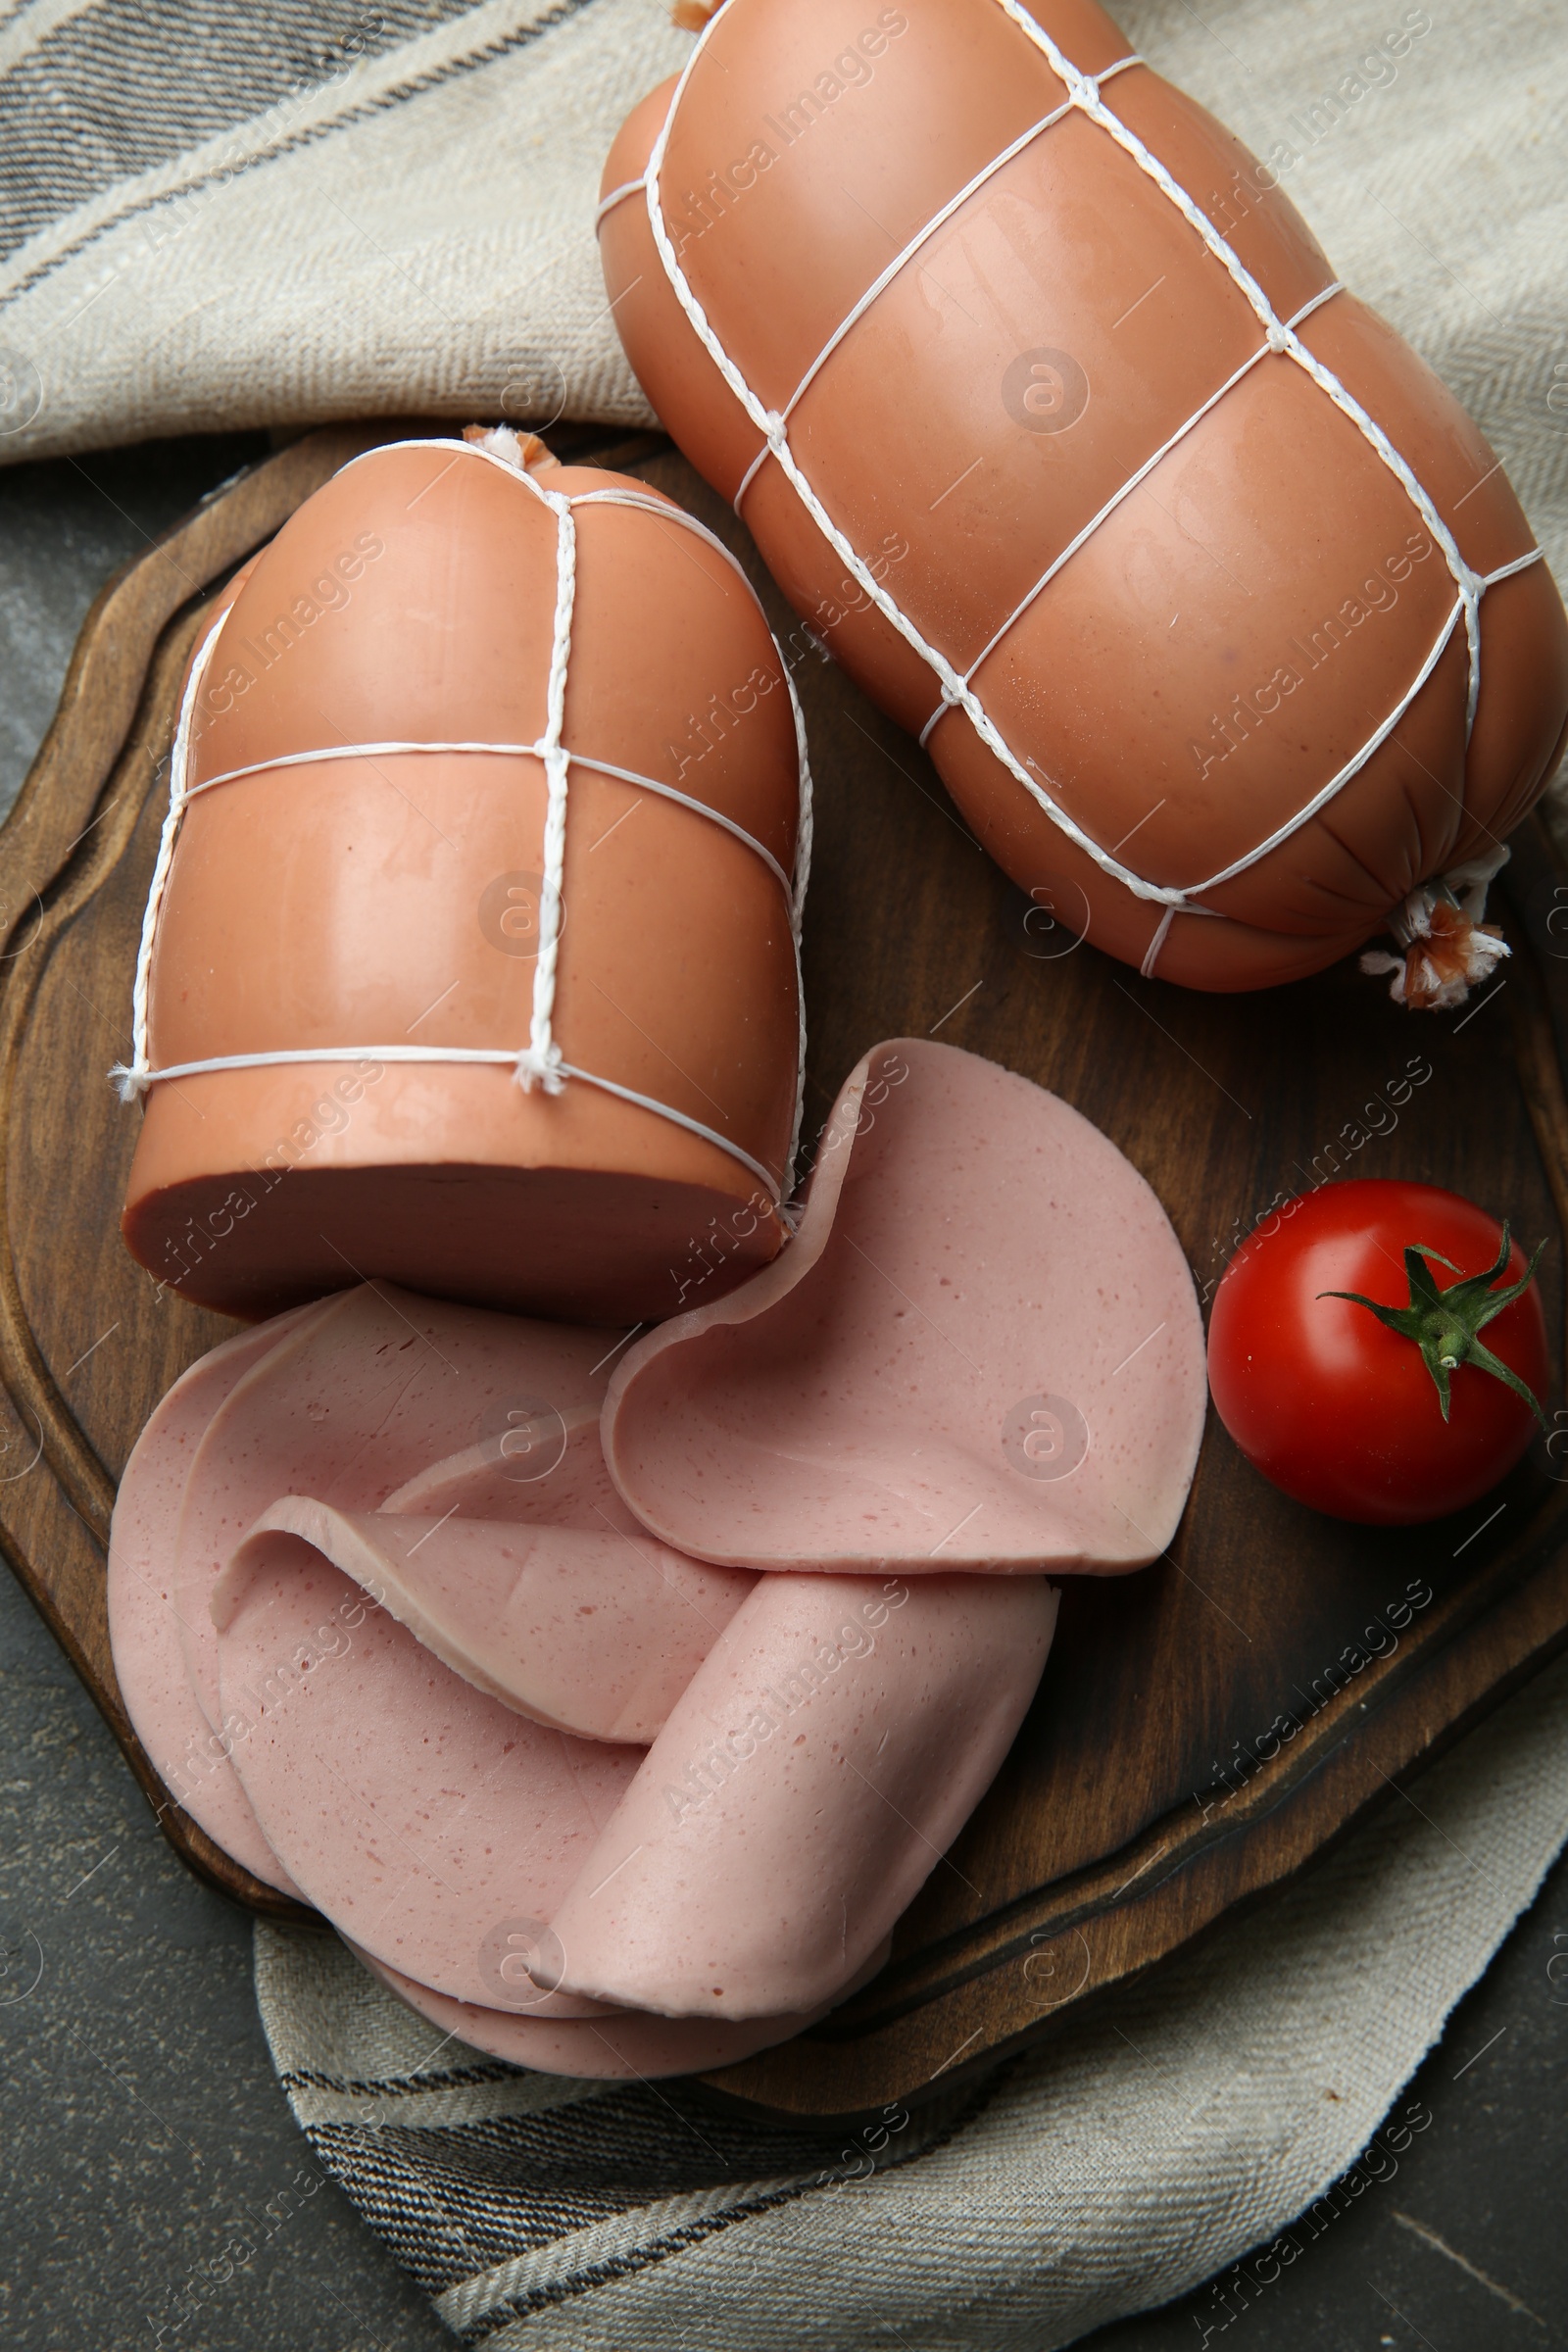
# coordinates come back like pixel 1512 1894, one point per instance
pixel 1336 1408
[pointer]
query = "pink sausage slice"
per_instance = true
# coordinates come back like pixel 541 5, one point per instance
pixel 982 1350
pixel 143 1620
pixel 584 1629
pixel 429 1822
pixel 550 1470
pixel 618 2045
pixel 824 1756
pixel 381 1384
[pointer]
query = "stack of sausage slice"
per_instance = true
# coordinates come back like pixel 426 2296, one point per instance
pixel 615 1704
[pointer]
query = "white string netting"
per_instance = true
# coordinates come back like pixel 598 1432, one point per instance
pixel 541 1062
pixel 956 689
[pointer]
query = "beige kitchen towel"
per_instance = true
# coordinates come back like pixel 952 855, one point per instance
pixel 222 215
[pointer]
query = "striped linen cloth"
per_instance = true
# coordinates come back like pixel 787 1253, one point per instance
pixel 1223 2104
pixel 214 216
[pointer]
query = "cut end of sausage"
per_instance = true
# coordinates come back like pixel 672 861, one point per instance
pixel 580 1245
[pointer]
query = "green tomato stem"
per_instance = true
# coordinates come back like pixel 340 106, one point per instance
pixel 1447 1324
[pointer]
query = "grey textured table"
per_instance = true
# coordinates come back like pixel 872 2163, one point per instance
pixel 143 2133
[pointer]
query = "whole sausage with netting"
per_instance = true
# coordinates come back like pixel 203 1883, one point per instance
pixel 469 956
pixel 1215 612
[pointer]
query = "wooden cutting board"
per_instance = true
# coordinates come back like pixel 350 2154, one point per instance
pixel 1203 1727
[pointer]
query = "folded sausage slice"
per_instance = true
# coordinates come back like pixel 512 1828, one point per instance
pixel 820 1762
pixel 584 1629
pixel 982 1350
pixel 144 1631
pixel 436 1826
pixel 616 2045
pixel 348 1407
pixel 550 1470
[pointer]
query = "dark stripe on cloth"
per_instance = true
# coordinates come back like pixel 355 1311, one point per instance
pixel 457 2201
pixel 121 88
pixel 412 87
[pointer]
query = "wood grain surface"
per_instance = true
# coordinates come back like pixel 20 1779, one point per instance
pixel 1204 1728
